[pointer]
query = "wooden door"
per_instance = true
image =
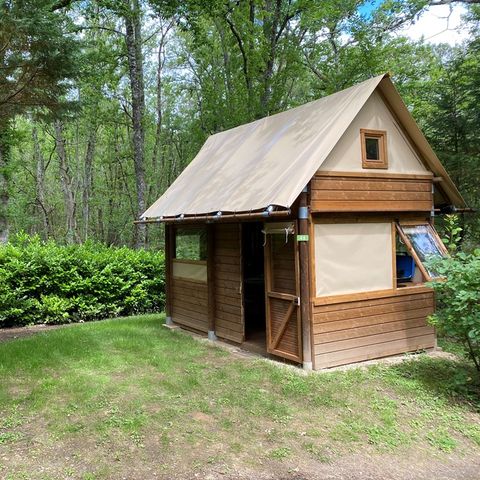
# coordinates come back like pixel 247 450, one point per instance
pixel 284 335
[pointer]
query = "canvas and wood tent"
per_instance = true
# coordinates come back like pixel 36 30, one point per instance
pixel 307 231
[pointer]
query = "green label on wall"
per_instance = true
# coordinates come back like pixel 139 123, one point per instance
pixel 302 238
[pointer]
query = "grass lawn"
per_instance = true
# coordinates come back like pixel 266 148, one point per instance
pixel 130 399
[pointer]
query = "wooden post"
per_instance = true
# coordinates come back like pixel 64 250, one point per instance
pixel 303 252
pixel 169 254
pixel 211 280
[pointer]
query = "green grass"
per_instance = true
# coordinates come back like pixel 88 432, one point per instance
pixel 102 400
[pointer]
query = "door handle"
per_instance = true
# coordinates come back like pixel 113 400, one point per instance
pixel 297 301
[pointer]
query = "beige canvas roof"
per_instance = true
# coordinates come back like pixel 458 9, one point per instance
pixel 269 161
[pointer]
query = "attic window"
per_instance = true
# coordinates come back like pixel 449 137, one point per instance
pixel 374 148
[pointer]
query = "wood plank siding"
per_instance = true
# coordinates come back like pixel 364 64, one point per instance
pixel 355 331
pixel 229 321
pixel 372 192
pixel 189 303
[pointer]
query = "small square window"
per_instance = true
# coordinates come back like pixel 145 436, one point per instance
pixel 374 148
pixel 191 244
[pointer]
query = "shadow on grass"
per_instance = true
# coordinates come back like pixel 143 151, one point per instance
pixel 454 381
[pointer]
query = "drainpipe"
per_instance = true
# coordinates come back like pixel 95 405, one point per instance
pixel 211 280
pixel 304 257
pixel 169 250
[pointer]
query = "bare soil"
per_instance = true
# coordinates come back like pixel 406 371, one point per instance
pixel 21 332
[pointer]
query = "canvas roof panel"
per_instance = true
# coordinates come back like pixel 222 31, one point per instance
pixel 266 162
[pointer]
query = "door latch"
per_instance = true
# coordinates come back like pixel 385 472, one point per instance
pixel 297 301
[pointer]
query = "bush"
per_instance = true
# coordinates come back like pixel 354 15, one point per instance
pixel 42 282
pixel 458 298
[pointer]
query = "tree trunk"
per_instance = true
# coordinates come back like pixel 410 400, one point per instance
pixel 4 153
pixel 161 59
pixel 226 61
pixel 66 184
pixel 39 159
pixel 270 32
pixel 135 65
pixel 87 181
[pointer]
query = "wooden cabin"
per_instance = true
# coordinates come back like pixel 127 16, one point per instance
pixel 307 231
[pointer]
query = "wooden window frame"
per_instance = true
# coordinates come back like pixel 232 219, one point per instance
pixel 381 136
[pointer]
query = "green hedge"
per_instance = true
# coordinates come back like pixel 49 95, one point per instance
pixel 42 282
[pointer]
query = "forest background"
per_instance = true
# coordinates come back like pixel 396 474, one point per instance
pixel 103 103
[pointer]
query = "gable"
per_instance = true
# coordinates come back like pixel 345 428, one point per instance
pixel 346 156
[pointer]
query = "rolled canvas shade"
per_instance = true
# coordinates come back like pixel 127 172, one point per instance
pixel 269 161
pixel 353 258
pixel 285 228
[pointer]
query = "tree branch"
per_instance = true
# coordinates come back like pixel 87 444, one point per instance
pixel 434 3
pixel 61 4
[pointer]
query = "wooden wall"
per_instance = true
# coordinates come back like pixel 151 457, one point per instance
pixel 359 330
pixel 371 192
pixel 189 303
pixel 189 298
pixel 229 322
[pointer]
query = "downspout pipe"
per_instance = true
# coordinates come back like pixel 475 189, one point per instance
pixel 304 260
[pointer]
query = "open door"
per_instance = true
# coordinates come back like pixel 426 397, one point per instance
pixel 284 335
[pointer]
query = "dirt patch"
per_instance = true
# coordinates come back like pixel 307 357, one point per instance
pixel 22 332
pixel 117 458
pixel 202 417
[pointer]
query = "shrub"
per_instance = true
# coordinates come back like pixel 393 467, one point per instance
pixel 42 282
pixel 458 298
pixel 452 232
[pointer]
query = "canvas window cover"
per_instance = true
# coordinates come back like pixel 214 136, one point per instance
pixel 188 270
pixel 426 243
pixel 353 258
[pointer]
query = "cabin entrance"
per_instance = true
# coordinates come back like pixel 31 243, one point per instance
pixel 254 285
pixel 271 289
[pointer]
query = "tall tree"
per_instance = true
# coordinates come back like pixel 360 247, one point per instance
pixel 159 76
pixel 37 56
pixel 66 183
pixel 40 187
pixel 133 39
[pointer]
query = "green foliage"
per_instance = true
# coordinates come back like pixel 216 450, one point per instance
pixel 452 232
pixel 458 295
pixel 41 56
pixel 42 282
pixel 210 66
